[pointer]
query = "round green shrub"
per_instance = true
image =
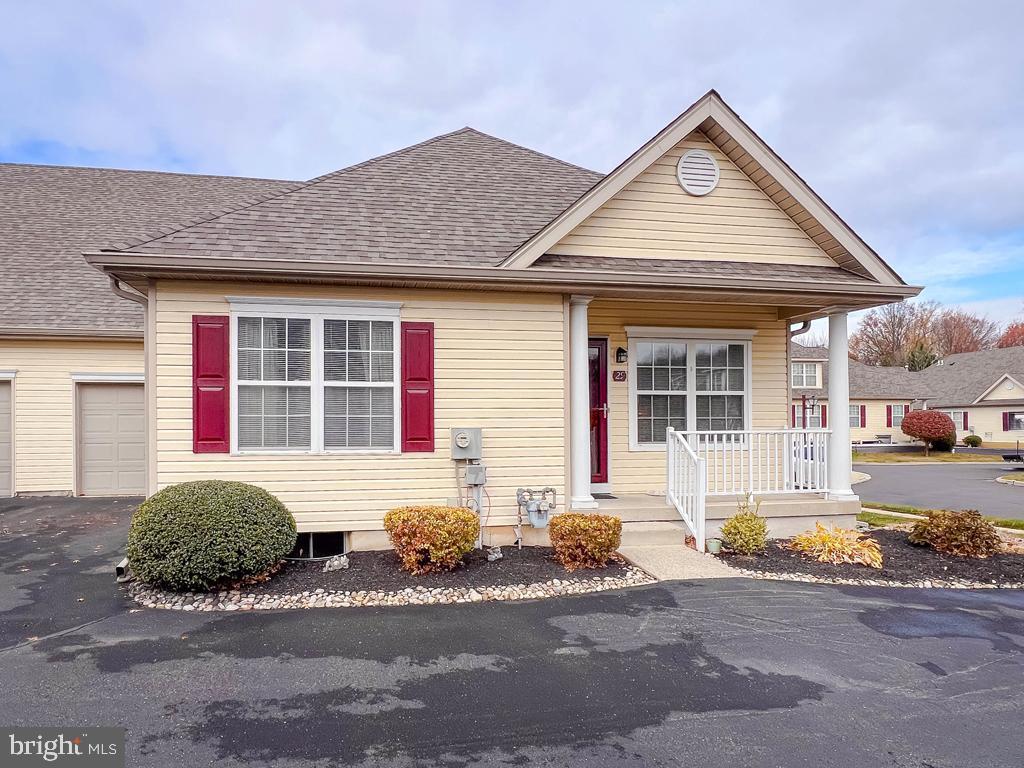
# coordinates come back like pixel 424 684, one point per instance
pixel 196 536
pixel 746 532
pixel 972 441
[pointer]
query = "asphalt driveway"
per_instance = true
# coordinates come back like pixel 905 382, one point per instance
pixel 731 672
pixel 943 486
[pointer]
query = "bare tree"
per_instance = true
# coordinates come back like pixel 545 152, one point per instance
pixel 887 334
pixel 1013 336
pixel 955 330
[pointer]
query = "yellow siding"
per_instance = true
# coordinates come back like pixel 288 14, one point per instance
pixel 875 420
pixel 652 217
pixel 44 403
pixel 644 471
pixel 987 423
pixel 499 365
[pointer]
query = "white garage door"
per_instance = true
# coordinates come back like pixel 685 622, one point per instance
pixel 111 439
pixel 6 481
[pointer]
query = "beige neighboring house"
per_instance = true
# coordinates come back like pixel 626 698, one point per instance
pixel 880 396
pixel 72 411
pixel 619 338
pixel 983 392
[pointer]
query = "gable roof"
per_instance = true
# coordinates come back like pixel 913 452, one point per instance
pixel 50 214
pixel 964 378
pixel 712 116
pixel 461 199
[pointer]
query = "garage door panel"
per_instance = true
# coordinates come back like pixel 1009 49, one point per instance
pixel 111 442
pixel 6 481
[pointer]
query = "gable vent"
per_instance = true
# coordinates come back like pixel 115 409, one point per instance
pixel 697 172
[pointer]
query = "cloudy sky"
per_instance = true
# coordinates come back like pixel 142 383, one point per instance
pixel 907 117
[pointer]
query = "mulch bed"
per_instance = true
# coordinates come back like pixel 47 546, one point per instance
pixel 381 571
pixel 901 562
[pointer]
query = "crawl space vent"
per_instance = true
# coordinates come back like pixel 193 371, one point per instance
pixel 697 172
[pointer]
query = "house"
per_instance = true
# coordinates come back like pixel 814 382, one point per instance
pixel 621 339
pixel 71 351
pixel 983 392
pixel 880 396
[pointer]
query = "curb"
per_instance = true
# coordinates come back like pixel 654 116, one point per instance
pixel 1007 480
pixel 877 511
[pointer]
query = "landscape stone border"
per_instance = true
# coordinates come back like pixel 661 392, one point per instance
pixel 240 600
pixel 922 584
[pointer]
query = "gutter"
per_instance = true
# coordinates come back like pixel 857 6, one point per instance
pixel 68 333
pixel 127 293
pixel 122 263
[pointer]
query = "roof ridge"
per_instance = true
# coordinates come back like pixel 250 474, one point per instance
pixel 536 152
pixel 186 174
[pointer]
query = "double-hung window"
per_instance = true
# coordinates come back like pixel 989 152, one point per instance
pixel 813 417
pixel 316 378
pixel 805 375
pixel 898 412
pixel 687 385
pixel 958 418
pixel 855 416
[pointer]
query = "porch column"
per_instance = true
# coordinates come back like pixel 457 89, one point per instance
pixel 579 404
pixel 839 458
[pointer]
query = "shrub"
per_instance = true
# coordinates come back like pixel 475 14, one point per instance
pixel 431 538
pixel 972 441
pixel 965 533
pixel 746 532
pixel 928 426
pixel 838 546
pixel 945 444
pixel 584 541
pixel 196 536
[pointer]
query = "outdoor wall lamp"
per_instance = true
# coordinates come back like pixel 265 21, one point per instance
pixel 621 355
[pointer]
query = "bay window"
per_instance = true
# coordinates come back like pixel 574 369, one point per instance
pixel 310 377
pixel 686 385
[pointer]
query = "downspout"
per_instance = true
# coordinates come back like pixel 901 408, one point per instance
pixel 138 298
pixel 802 328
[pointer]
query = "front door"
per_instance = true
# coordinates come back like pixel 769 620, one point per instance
pixel 598 410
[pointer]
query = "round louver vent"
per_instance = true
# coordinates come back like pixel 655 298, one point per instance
pixel 697 172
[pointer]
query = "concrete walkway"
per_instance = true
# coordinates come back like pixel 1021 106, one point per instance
pixel 676 561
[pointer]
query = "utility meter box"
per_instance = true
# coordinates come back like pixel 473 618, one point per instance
pixel 467 443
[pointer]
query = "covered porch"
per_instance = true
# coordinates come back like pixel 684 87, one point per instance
pixel 679 410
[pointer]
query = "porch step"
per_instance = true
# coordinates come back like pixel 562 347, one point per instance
pixel 654 533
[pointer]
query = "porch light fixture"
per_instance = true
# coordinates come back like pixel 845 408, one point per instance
pixel 621 355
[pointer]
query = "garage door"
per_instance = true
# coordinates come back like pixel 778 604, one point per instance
pixel 111 440
pixel 6 481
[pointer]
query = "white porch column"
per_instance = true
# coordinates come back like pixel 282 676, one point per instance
pixel 839 459
pixel 579 404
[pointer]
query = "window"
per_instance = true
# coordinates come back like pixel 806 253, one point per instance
pixel 315 382
pixel 813 417
pixel 697 385
pixel 1017 421
pixel 959 418
pixel 898 412
pixel 805 375
pixel 855 416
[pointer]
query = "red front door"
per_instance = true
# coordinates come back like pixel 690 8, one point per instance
pixel 599 410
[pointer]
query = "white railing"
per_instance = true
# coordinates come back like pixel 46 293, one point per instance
pixel 687 476
pixel 755 462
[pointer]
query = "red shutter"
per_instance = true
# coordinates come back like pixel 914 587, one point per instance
pixel 210 385
pixel 794 415
pixel 966 427
pixel 1006 421
pixel 417 387
pixel 824 416
pixel 888 415
pixel 863 416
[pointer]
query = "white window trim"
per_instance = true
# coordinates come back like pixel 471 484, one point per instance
pixel 316 312
pixel 691 384
pixel 1012 420
pixel 658 333
pixel 817 374
pixel 906 409
pixel 108 378
pixel 810 416
pixel 851 415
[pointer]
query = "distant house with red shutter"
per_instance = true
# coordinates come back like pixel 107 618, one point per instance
pixel 981 391
pixel 620 338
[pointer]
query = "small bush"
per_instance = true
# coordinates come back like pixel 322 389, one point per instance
pixel 746 532
pixel 945 444
pixel 431 538
pixel 196 536
pixel 584 541
pixel 965 533
pixel 972 441
pixel 838 546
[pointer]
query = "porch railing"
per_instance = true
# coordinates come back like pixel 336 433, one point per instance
pixel 736 463
pixel 686 489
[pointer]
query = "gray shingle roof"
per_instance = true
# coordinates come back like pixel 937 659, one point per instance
pixel 711 268
pixel 50 214
pixel 867 382
pixel 464 198
pixel 961 379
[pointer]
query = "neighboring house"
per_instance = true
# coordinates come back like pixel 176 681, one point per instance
pixel 983 392
pixel 71 360
pixel 324 342
pixel 880 396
